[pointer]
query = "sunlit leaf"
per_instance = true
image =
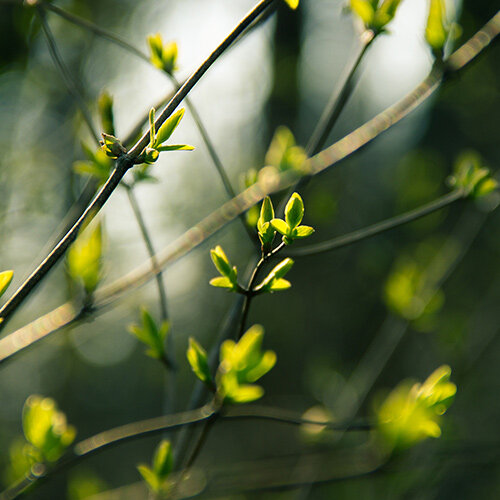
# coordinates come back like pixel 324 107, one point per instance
pixel 436 31
pixel 105 107
pixel 197 358
pixel 168 127
pixel 84 260
pixel 293 4
pixel 45 427
pixel 5 279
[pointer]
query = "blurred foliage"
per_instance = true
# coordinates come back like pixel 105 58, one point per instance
pixel 323 326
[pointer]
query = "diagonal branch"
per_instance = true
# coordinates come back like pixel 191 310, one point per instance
pixel 23 338
pixel 123 163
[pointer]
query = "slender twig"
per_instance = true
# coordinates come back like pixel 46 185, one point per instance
pixel 151 251
pixel 250 292
pixel 123 163
pixel 94 28
pixel 207 414
pixel 379 227
pixel 66 75
pixel 225 214
pixel 338 100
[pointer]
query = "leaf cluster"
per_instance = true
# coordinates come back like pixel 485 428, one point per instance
pixel 412 412
pixel 152 335
pixel 156 475
pixel 240 365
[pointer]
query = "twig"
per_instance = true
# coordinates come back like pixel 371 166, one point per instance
pixel 66 76
pixel 123 163
pixel 329 157
pixel 379 227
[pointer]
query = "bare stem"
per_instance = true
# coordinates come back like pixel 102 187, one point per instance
pixel 379 227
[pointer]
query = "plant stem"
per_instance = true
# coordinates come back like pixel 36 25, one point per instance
pixel 123 163
pixel 71 85
pixel 250 294
pixel 379 227
pixel 338 100
pixel 16 342
pixel 196 76
pixel 151 251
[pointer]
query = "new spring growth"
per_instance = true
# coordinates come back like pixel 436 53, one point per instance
pixel 45 429
pixel 375 14
pixel 152 335
pixel 412 412
pixel 240 365
pixel 229 274
pixel 157 138
pixel 163 56
pixel 293 4
pixel 472 177
pixel 290 228
pixel 274 281
pixel 157 476
pixel 84 260
pixel 437 29
pixel 5 279
pixel 265 230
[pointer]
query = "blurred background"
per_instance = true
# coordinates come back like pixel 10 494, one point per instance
pixel 341 332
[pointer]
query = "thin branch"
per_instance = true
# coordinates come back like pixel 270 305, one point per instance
pixel 94 28
pixel 151 251
pixel 123 163
pixel 107 439
pixel 321 162
pixel 379 227
pixel 71 85
pixel 146 428
pixel 196 76
pixel 338 100
pixel 251 285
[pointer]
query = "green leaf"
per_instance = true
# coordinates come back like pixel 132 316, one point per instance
pixel 243 362
pixel 283 152
pixel 222 282
pixel 266 212
pixel 149 334
pixel 45 427
pixel 412 412
pixel 278 285
pixel 112 146
pixel 175 147
pixel 163 461
pixel 293 4
pixel 197 358
pixel 274 281
pixel 364 10
pixel 167 129
pixel 5 279
pixel 294 211
pixel 436 31
pixel 385 13
pixel 150 477
pixel 105 107
pixel 246 393
pixel 281 226
pixel 220 261
pixel 163 56
pixel 84 260
pixel 152 130
pixel 302 232
pixel 264 227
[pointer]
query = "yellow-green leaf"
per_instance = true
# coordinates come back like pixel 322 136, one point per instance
pixel 5 279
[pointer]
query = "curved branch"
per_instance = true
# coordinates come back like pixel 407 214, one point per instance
pixel 230 210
